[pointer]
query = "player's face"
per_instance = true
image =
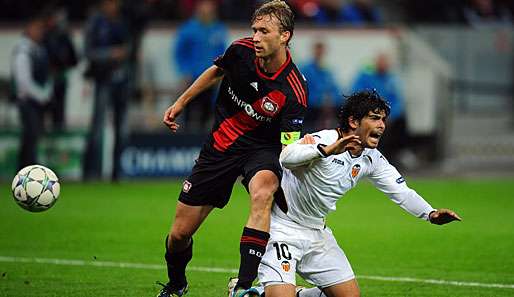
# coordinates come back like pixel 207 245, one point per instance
pixel 267 36
pixel 371 128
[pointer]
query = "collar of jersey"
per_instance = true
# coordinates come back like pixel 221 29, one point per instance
pixel 262 75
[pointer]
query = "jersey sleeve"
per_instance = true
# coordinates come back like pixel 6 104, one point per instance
pixel 291 123
pixel 388 180
pixel 297 155
pixel 232 53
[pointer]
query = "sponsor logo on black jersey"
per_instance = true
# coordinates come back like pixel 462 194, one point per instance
pixel 248 108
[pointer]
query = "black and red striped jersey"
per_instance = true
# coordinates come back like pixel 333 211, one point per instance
pixel 255 110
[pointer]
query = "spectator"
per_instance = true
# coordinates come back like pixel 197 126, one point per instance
pixel 357 13
pixel 237 10
pixel 386 83
pixel 361 12
pixel 62 57
pixel 486 12
pixel 107 50
pixel 199 41
pixel 136 14
pixel 434 11
pixel 30 76
pixel 324 94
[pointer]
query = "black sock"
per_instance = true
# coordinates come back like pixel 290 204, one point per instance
pixel 176 263
pixel 252 248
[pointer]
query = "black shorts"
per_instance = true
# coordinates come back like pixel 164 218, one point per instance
pixel 215 173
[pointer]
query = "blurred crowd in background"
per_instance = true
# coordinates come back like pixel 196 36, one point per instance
pixel 113 31
pixel 355 12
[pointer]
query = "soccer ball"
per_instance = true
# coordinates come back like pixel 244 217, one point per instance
pixel 35 188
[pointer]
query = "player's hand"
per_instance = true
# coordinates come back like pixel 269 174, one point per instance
pixel 170 116
pixel 307 139
pixel 443 216
pixel 342 144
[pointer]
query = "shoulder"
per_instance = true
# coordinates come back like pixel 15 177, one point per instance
pixel 243 48
pixel 325 136
pixel 243 43
pixel 375 157
pixel 219 26
pixel 297 83
pixel 188 27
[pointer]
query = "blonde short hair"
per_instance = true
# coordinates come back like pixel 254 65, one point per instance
pixel 281 11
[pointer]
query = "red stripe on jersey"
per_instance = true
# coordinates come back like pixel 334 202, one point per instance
pixel 294 89
pixel 250 239
pixel 262 75
pixel 245 40
pixel 304 97
pixel 245 44
pixel 232 128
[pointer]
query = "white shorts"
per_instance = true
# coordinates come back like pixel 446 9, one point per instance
pixel 313 254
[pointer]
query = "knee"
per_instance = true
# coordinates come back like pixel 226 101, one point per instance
pixel 179 234
pixel 354 292
pixel 262 198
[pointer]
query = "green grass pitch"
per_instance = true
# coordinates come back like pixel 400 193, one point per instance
pixel 102 225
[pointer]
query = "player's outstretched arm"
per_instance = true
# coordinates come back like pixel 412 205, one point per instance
pixel 341 145
pixel 443 216
pixel 206 80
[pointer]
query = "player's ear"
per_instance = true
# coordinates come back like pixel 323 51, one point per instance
pixel 353 123
pixel 284 36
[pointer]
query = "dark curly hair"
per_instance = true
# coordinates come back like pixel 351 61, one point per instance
pixel 359 104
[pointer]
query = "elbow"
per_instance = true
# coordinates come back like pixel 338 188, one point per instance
pixel 285 159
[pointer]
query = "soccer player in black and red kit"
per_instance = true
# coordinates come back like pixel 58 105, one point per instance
pixel 260 107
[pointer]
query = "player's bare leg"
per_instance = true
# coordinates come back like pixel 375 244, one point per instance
pixel 179 245
pixel 346 289
pixel 187 220
pixel 282 290
pixel 262 187
pixel 255 235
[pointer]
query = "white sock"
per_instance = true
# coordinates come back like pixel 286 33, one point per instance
pixel 310 292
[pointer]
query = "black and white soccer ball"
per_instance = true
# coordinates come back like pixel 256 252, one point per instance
pixel 35 188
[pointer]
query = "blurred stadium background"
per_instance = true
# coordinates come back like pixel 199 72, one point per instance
pixel 456 80
pixel 455 61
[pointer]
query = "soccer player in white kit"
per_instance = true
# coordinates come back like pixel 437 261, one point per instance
pixel 318 170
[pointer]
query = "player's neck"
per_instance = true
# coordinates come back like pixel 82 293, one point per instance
pixel 273 62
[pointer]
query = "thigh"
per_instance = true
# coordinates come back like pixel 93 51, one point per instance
pixel 348 288
pixel 280 290
pixel 211 180
pixel 261 160
pixel 325 264
pixel 284 250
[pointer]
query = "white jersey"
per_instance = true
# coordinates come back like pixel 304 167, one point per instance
pixel 313 183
